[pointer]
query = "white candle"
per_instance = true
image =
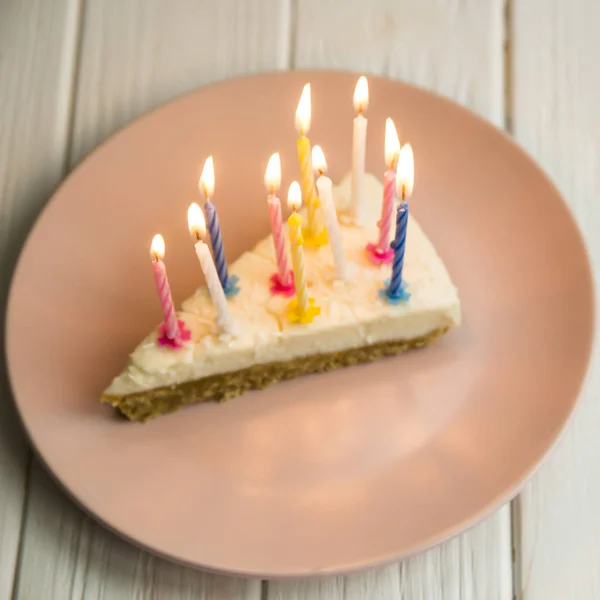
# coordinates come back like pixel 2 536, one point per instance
pixel 197 226
pixel 325 191
pixel 359 149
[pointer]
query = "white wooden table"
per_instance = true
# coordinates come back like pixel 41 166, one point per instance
pixel 73 71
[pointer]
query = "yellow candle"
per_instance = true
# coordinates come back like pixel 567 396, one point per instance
pixel 302 309
pixel 303 117
pixel 304 156
pixel 296 244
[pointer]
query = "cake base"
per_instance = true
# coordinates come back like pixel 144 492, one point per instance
pixel 142 406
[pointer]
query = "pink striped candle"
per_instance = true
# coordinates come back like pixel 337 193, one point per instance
pixel 283 282
pixel 381 253
pixel 392 151
pixel 157 251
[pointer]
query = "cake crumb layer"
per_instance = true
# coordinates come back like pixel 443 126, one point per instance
pixel 142 406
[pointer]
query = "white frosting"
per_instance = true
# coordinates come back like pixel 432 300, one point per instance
pixel 352 314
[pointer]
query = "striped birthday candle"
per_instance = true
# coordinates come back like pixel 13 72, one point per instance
pixel 399 246
pixel 207 186
pixel 395 290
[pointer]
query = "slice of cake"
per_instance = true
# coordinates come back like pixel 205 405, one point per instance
pixel 355 324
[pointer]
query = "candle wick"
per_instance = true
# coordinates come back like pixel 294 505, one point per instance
pixel 403 192
pixel 320 172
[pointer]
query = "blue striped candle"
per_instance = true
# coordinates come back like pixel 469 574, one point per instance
pixel 395 288
pixel 214 229
pixel 399 246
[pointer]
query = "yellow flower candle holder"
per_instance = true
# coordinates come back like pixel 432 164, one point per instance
pixel 302 317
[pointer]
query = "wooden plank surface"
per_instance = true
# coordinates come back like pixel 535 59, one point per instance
pixel 67 555
pixel 473 566
pixel 134 56
pixel 556 90
pixel 138 54
pixel 36 39
pixel 454 48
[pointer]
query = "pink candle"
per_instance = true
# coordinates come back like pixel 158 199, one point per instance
pixel 283 280
pixel 387 211
pixel 392 150
pixel 162 285
pixel 381 253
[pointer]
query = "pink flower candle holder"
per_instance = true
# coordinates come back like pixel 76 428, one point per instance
pixel 377 257
pixel 287 288
pixel 183 335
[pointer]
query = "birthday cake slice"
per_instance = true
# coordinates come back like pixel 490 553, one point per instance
pixel 353 322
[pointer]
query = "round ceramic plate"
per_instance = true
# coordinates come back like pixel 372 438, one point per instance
pixel 326 473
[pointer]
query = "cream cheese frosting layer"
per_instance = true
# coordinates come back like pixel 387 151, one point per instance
pixel 352 313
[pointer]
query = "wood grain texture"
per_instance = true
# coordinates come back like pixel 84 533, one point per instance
pixel 138 54
pixel 473 566
pixel 556 88
pixel 67 555
pixel 36 39
pixel 453 47
pixel 135 55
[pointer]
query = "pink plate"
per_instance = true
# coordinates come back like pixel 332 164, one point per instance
pixel 327 473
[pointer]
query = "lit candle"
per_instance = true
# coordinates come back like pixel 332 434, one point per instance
pixel 157 250
pixel 303 118
pixel 396 289
pixel 197 228
pixel 172 331
pixel 302 308
pixel 382 253
pixel 324 189
pixel 359 149
pixel 296 244
pixel 207 187
pixel 392 150
pixel 283 281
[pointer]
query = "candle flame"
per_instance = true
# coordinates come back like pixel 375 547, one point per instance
pixel 273 173
pixel 196 221
pixel 294 196
pixel 207 179
pixel 392 144
pixel 405 176
pixel 361 95
pixel 157 248
pixel 318 160
pixel 303 112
